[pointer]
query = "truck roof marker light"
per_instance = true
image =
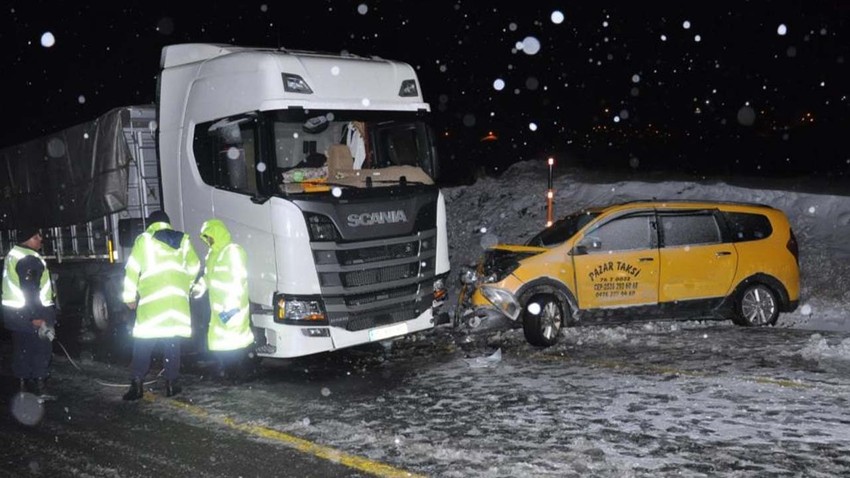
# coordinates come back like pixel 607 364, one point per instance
pixel 295 84
pixel 408 88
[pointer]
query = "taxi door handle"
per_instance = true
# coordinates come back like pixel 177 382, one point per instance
pixel 646 259
pixel 723 253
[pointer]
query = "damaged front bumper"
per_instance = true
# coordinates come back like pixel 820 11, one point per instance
pixel 486 307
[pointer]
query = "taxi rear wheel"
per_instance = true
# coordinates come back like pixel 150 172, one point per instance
pixel 542 320
pixel 757 305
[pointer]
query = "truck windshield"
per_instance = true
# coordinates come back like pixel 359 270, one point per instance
pixel 314 150
pixel 562 230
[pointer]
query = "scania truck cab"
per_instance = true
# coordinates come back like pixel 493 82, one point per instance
pixel 322 167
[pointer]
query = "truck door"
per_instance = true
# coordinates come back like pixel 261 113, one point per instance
pixel 228 160
pixel 616 263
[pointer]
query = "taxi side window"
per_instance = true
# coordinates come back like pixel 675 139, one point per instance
pixel 689 229
pixel 628 233
pixel 747 227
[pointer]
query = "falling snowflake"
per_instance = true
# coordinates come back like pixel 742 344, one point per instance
pixel 557 17
pixel 47 40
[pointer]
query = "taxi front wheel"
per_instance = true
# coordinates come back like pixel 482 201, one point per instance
pixel 756 305
pixel 542 319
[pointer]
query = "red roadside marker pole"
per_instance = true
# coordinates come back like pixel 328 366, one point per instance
pixel 550 195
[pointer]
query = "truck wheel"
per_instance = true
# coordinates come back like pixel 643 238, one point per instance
pixel 542 319
pixel 97 310
pixel 756 305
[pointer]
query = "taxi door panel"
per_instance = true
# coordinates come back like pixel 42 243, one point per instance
pixel 617 264
pixel 695 263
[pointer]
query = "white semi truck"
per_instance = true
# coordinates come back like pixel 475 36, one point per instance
pixel 322 166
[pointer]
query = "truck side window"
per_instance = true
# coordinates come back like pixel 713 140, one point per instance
pixel 226 153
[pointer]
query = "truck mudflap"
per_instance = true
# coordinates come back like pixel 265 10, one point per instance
pixel 288 341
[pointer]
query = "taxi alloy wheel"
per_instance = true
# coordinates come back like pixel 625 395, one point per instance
pixel 542 327
pixel 757 306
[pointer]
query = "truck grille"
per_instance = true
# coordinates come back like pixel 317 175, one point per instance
pixel 380 275
pixel 370 320
pixel 379 253
pixel 378 282
pixel 364 299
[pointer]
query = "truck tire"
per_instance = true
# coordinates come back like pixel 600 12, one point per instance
pixel 96 319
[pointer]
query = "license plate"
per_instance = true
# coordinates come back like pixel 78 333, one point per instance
pixel 387 332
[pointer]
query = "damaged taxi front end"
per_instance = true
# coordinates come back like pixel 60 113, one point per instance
pixel 485 300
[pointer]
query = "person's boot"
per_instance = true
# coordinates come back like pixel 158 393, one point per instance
pixel 172 388
pixel 136 391
pixel 39 386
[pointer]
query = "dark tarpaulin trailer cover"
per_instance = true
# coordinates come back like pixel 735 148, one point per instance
pixel 69 177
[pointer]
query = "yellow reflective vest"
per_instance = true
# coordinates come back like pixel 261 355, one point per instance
pixel 226 279
pixel 13 295
pixel 158 275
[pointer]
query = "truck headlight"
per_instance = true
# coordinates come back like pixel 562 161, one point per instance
pixel 299 311
pixel 503 300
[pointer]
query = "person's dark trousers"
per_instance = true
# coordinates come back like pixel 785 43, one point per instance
pixel 142 351
pixel 228 361
pixel 30 355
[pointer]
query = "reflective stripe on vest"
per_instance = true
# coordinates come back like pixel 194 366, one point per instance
pixel 226 278
pixel 13 295
pixel 159 276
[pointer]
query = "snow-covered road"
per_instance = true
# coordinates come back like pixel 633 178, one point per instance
pixel 659 398
pixel 647 399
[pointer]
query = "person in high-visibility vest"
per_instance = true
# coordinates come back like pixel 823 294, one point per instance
pixel 28 310
pixel 225 279
pixel 160 271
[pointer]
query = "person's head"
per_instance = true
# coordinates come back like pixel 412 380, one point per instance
pixel 158 216
pixel 215 234
pixel 30 236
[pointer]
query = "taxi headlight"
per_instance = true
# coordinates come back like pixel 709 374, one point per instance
pixel 503 300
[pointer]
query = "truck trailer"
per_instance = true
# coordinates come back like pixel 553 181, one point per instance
pixel 322 166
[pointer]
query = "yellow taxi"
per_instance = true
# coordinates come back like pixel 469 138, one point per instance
pixel 640 260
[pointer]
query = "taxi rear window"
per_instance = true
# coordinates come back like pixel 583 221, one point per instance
pixel 747 226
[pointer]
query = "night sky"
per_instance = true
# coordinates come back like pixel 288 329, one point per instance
pixel 703 87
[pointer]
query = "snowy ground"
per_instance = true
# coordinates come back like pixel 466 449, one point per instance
pixel 645 400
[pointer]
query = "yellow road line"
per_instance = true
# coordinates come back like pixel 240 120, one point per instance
pixel 320 451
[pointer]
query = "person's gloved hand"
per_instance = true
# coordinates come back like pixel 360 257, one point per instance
pixel 226 315
pixel 46 332
pixel 197 290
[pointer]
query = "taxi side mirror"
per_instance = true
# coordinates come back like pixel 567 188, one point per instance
pixel 589 243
